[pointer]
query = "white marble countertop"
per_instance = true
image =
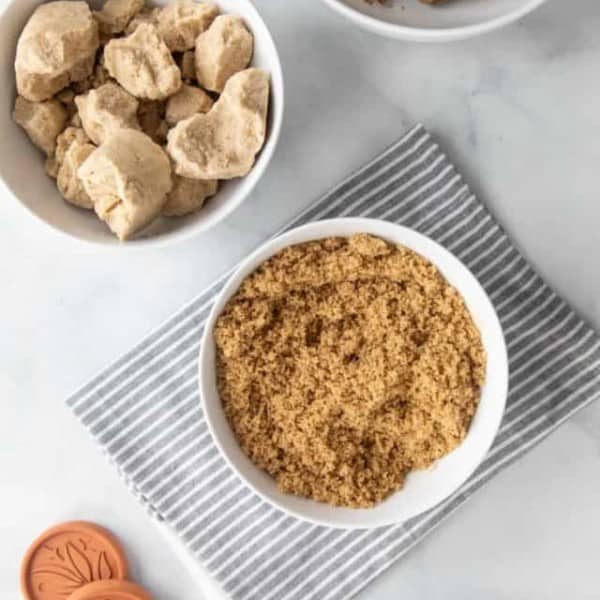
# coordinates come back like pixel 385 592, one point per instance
pixel 516 110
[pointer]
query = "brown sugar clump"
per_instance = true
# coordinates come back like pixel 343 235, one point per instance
pixel 344 364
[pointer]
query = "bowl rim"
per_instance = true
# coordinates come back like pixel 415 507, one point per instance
pixel 277 84
pixel 271 247
pixel 431 35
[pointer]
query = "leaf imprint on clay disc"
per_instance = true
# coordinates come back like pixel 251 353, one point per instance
pixel 104 570
pixel 80 562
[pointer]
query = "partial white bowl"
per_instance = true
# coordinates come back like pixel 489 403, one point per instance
pixel 22 165
pixel 423 489
pixel 412 20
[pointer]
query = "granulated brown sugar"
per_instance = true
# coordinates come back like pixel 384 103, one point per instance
pixel 345 363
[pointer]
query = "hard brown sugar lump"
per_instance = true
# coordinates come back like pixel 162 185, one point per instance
pixel 68 181
pixel 98 77
pixel 128 178
pixel 344 364
pixel 188 101
pixel 223 50
pixel 116 15
pixel 142 64
pixel 57 46
pixel 106 108
pixel 151 115
pixel 63 142
pixel 182 21
pixel 146 15
pixel 66 138
pixel 188 196
pixel 223 143
pixel 42 121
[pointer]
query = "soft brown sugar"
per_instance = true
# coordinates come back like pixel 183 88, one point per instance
pixel 345 363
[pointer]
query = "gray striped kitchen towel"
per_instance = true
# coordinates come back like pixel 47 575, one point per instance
pixel 144 410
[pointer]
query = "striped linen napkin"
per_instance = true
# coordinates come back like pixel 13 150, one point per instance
pixel 144 410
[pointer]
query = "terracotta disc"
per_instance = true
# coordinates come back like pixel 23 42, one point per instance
pixel 69 556
pixel 111 589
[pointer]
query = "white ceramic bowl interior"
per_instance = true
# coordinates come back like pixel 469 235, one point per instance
pixel 423 489
pixel 22 165
pixel 452 20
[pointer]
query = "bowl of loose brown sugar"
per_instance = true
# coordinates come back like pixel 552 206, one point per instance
pixel 353 373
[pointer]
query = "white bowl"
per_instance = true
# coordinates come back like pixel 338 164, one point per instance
pixel 22 165
pixel 414 21
pixel 423 489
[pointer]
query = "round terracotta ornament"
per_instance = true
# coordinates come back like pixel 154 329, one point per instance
pixel 69 556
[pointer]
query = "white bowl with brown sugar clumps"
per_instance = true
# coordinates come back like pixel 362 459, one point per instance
pixel 45 179
pixel 280 451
